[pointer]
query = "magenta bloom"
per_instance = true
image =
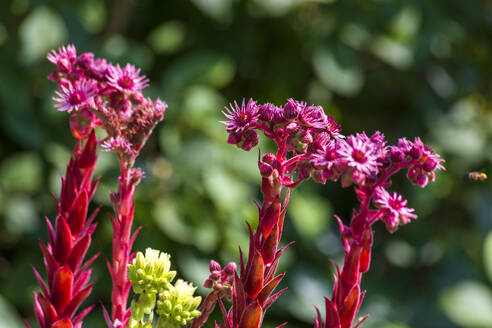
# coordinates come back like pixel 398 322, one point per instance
pixel 359 153
pixel 64 58
pixel 314 117
pixel 241 118
pixel 394 208
pixel 75 97
pixel 117 143
pixel 126 79
pixel 327 156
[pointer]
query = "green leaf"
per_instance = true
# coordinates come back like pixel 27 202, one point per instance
pixel 167 37
pixel 41 31
pixel 343 79
pixel 487 255
pixel 468 304
pixel 209 68
pixel 10 318
pixel 21 173
pixel 310 214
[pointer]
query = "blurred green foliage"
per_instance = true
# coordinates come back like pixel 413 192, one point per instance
pixel 407 68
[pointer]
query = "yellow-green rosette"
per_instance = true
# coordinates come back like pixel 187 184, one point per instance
pixel 151 273
pixel 177 306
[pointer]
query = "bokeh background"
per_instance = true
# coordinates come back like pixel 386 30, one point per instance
pixel 406 68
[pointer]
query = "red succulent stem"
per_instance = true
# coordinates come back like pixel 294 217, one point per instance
pixel 67 284
pixel 122 245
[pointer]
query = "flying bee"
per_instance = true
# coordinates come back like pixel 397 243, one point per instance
pixel 477 176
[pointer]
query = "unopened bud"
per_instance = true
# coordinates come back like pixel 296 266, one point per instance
pixel 269 158
pixel 429 165
pixel 397 155
pixel 266 170
pixel 230 268
pixel 291 109
pixel 214 266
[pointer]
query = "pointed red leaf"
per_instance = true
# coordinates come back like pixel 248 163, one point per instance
pixel 49 261
pixel 252 316
pixel 269 248
pixel 41 282
pixel 332 320
pixel 77 300
pixel 254 281
pixel 88 157
pixel 61 290
pixel 62 323
pixel 240 297
pixel 89 262
pixel 51 231
pixel 81 280
pixel 268 289
pixel 349 307
pixel 78 213
pixel 63 244
pixel 78 253
pixel 225 317
pixel 49 311
pixel 273 298
pixel 269 218
pixel 38 311
pixel 361 320
pixel 82 315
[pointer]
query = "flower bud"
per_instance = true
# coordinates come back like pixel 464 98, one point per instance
pixel 292 127
pixel 415 152
pixel 306 137
pixel 429 165
pixel 234 138
pixel 397 155
pixel 85 60
pixel 266 170
pixel 250 139
pixel 214 266
pixel 291 109
pixel 269 158
pixel 422 180
pixel 230 268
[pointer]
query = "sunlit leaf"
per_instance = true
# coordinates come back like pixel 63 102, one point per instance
pixel 42 30
pixel 468 304
pixel 346 80
pixel 167 37
pixel 487 255
pixel 310 214
pixel 10 318
pixel 21 173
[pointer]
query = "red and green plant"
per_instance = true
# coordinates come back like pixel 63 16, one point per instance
pixel 309 144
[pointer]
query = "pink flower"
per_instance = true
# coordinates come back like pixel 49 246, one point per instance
pixel 333 128
pixel 327 156
pixel 126 79
pixel 394 208
pixel 314 117
pixel 241 118
pixel 270 113
pixel 75 97
pixel 293 108
pixel 360 153
pixel 64 58
pixel 118 143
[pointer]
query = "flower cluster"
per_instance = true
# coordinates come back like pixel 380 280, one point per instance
pixel 151 279
pixel 220 279
pixel 150 273
pixel 177 306
pixel 310 145
pixel 96 92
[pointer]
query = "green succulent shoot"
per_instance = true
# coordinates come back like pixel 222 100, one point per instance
pixel 177 306
pixel 149 275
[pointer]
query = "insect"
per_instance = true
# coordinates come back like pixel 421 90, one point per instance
pixel 477 176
